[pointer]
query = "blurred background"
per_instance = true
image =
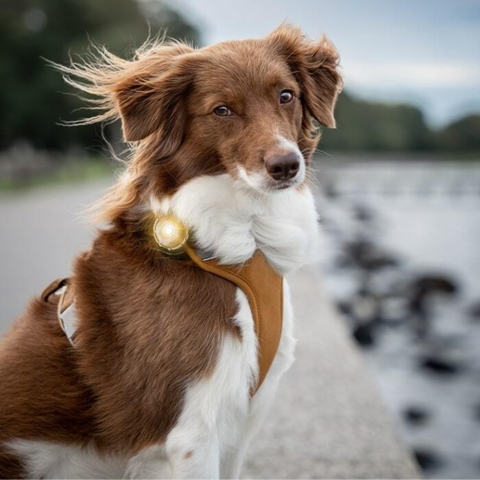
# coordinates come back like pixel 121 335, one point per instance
pixel 398 180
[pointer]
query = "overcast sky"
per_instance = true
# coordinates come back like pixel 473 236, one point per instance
pixel 426 52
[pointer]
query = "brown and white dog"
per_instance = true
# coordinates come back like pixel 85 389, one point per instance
pixel 157 384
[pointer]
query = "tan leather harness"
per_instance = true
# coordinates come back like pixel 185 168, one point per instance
pixel 262 285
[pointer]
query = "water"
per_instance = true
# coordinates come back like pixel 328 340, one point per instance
pixel 422 223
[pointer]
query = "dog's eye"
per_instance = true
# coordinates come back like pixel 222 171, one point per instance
pixel 222 111
pixel 286 96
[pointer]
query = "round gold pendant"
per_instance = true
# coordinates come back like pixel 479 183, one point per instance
pixel 170 233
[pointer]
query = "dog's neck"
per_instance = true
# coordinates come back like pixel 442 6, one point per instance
pixel 230 221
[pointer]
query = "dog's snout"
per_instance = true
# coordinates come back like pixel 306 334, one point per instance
pixel 283 166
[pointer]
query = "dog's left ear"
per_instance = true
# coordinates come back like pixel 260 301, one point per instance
pixel 151 100
pixel 315 66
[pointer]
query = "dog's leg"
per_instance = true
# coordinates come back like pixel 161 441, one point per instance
pixel 179 460
pixel 213 410
pixel 260 406
pixel 194 453
pixel 261 403
pixel 152 462
pixel 187 454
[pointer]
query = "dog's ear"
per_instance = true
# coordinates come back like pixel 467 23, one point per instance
pixel 315 66
pixel 152 98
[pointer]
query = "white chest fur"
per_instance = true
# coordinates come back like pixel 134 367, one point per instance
pixel 231 220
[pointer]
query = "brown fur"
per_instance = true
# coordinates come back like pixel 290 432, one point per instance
pixel 143 334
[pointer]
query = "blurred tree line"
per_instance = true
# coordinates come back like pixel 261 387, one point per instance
pixel 34 98
pixel 368 126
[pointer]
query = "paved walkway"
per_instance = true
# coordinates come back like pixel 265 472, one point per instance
pixel 328 421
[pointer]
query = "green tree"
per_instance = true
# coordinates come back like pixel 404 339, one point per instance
pixel 34 98
pixel 462 135
pixel 368 126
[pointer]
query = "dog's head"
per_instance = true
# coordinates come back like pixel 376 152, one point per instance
pixel 243 107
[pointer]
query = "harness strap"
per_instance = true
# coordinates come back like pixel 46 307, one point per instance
pixel 263 287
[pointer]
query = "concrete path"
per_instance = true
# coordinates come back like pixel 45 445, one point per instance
pixel 328 421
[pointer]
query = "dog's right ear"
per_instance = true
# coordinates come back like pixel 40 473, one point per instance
pixel 152 98
pixel 315 65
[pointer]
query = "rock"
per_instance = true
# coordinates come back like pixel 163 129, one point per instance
pixel 427 459
pixel 363 334
pixel 426 284
pixel 368 256
pixel 419 294
pixel 416 416
pixel 439 366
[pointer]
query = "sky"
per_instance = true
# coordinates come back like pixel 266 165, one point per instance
pixel 424 52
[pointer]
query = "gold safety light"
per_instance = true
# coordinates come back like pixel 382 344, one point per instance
pixel 170 233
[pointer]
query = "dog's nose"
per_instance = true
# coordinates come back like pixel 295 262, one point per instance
pixel 282 167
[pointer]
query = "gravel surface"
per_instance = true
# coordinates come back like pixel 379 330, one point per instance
pixel 328 421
